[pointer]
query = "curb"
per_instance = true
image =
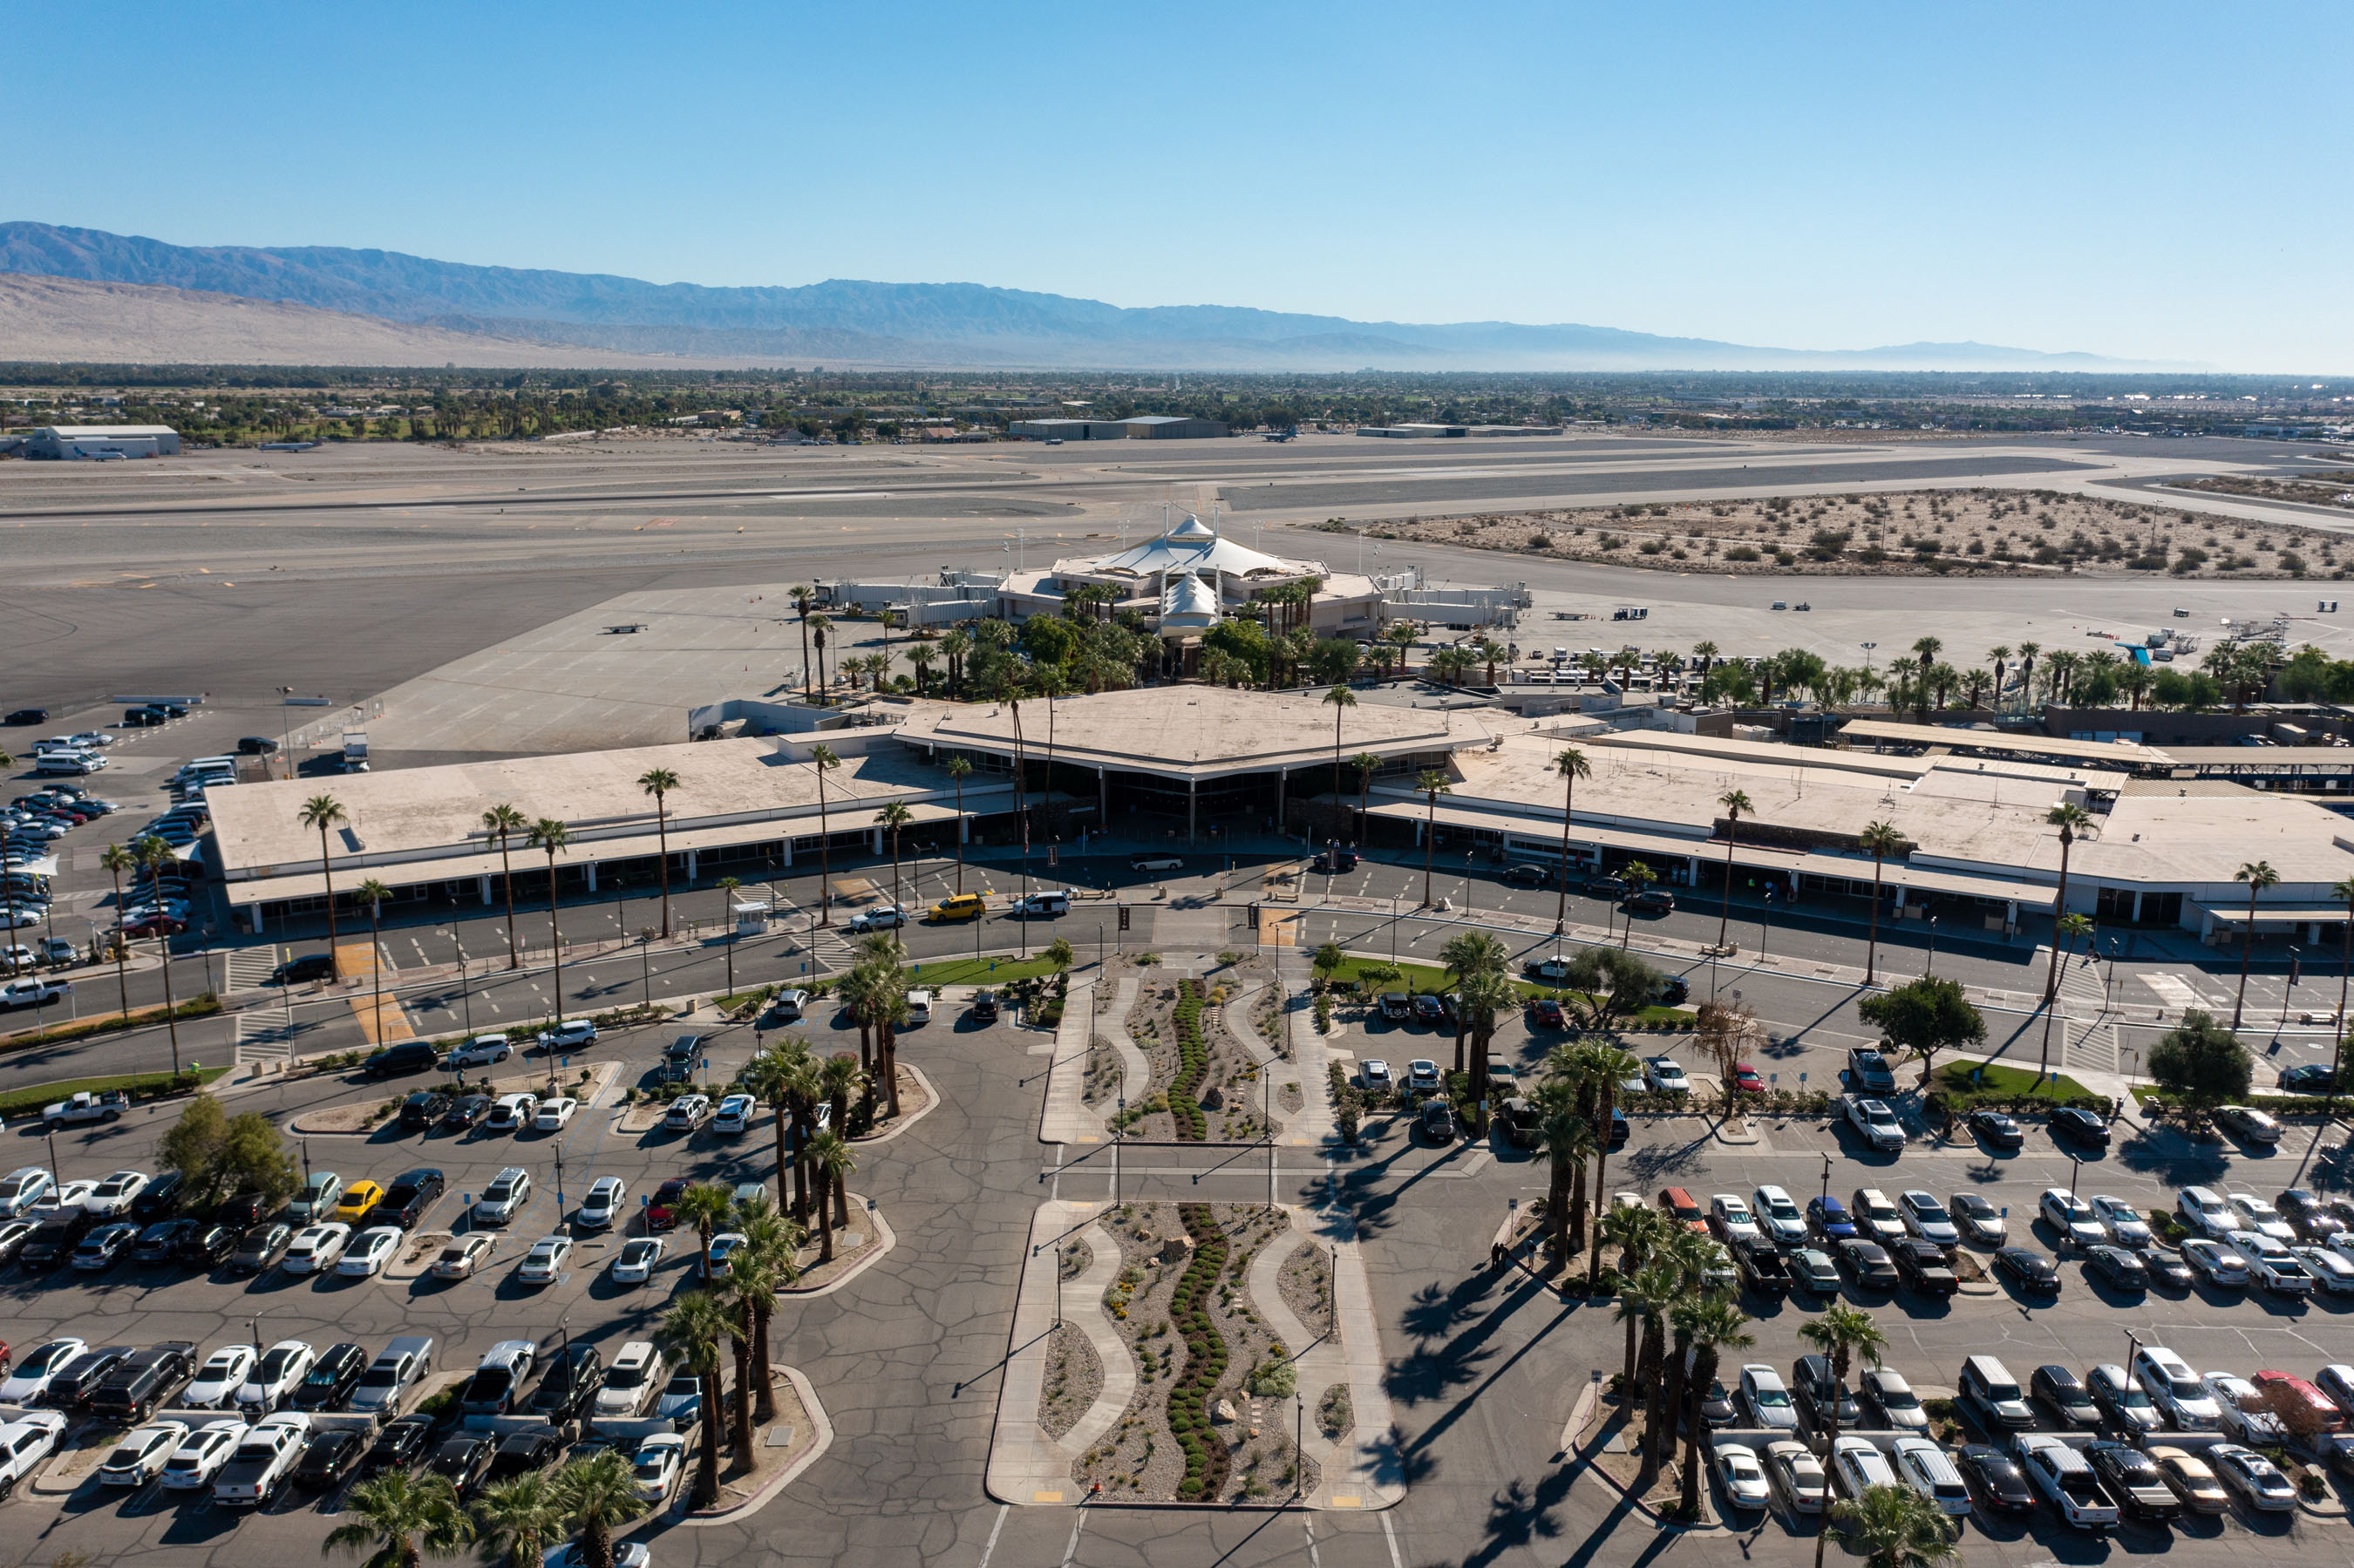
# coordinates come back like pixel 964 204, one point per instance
pixel 885 1240
pixel 1716 1526
pixel 904 1122
pixel 818 1424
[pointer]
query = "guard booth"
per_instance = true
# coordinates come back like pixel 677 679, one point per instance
pixel 751 919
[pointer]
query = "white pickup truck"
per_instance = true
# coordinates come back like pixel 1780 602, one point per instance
pixel 1876 1122
pixel 24 1443
pixel 34 993
pixel 265 1456
pixel 106 1106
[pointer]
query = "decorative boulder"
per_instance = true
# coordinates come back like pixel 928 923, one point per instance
pixel 1225 1414
pixel 1214 1098
pixel 1176 1249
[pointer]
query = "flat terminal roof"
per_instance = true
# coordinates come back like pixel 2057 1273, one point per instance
pixel 2111 753
pixel 2205 839
pixel 2263 759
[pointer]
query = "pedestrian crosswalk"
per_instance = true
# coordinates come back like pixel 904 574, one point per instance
pixel 250 967
pixel 260 1039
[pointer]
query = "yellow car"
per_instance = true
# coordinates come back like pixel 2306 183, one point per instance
pixel 358 1199
pixel 960 906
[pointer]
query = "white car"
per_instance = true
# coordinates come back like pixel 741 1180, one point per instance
pixel 2271 1265
pixel 2331 1272
pixel 1926 1218
pixel 553 1115
pixel 217 1380
pixel 201 1452
pixel 789 1005
pixel 370 1251
pixel 1664 1075
pixel 881 917
pixel 31 1377
pixel 1857 1467
pixel 57 1199
pixel 26 1442
pixel 635 1375
pixel 2205 1213
pixel 545 1261
pixel 2073 1217
pixel 1422 1077
pixel 1767 1398
pixel 511 1113
pixel 1924 1467
pixel 112 1195
pixel 504 1198
pixel 22 1188
pixel 2259 1483
pixel 1375 1073
pixel 481 1051
pixel 141 1453
pixel 2122 1223
pixel 2176 1389
pixel 657 1464
pixel 636 1262
pixel 1797 1475
pixel 568 1036
pixel 1739 1474
pixel 602 1206
pixel 463 1256
pixel 2218 1265
pixel 2242 1407
pixel 687 1113
pixel 2256 1215
pixel 280 1372
pixel 1779 1215
pixel 316 1248
pixel 735 1114
pixel 1730 1219
pixel 2066 1481
pixel 1876 1219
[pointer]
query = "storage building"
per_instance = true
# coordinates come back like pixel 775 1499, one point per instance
pixel 68 441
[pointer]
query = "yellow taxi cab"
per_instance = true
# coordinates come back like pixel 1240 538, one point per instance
pixel 960 906
pixel 357 1200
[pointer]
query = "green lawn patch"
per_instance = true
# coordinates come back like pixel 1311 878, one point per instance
pixel 1972 1080
pixel 935 973
pixel 140 1085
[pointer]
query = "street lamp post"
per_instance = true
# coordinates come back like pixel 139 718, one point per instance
pixel 1393 926
pixel 1932 968
pixel 1827 1176
pixel 56 1174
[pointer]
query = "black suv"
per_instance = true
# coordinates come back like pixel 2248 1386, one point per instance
pixel 142 1382
pixel 1812 1385
pixel 332 1377
pixel 160 1199
pixel 680 1056
pixel 984 1007
pixel 1922 1266
pixel 203 1244
pixel 404 1203
pixel 309 966
pixel 54 1239
pixel 160 1243
pixel 421 1110
pixel 80 1378
pixel 408 1056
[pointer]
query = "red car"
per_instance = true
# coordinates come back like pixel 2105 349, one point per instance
pixel 1680 1205
pixel 1746 1079
pixel 662 1214
pixel 155 925
pixel 1547 1013
pixel 2325 1409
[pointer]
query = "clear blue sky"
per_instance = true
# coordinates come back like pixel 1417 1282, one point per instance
pixel 2151 181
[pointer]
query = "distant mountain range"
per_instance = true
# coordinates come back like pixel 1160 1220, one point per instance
pixel 847 323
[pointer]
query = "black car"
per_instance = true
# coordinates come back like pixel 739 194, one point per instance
pixel 1716 1406
pixel 1621 1130
pixel 1651 901
pixel 332 1378
pixel 569 1384
pixel 1437 1120
pixel 2309 1078
pixel 1673 991
pixel 2064 1395
pixel 2132 1478
pixel 204 1246
pixel 309 966
pixel 1997 1130
pixel 2115 1267
pixel 402 1056
pixel 405 1201
pixel 330 1459
pixel 242 1210
pixel 984 1007
pixel 260 1247
pixel 80 1378
pixel 1867 1263
pixel 400 1444
pixel 2315 1218
pixel 682 1051
pixel 160 1199
pixel 28 715
pixel 1816 1392
pixel 1606 887
pixel 1331 862
pixel 1430 1010
pixel 1995 1479
pixel 1922 1266
pixel 2080 1126
pixel 520 1453
pixel 1526 876
pixel 465 1459
pixel 421 1110
pixel 256 746
pixel 160 1243
pixel 466 1110
pixel 2028 1270
pixel 1761 1267
pixel 588 1448
pixel 2166 1270
pixel 54 1239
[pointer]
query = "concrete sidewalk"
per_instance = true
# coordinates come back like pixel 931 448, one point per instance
pixel 1026 1466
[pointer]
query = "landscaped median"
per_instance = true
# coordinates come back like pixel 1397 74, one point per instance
pixel 201 1006
pixel 140 1087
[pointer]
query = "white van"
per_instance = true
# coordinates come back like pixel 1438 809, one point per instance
pixel 208 765
pixel 919 1007
pixel 69 764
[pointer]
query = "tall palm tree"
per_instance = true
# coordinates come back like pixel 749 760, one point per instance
pixel 959 768
pixel 1711 1325
pixel 819 626
pixel 2258 874
pixel 831 1158
pixel 1999 655
pixel 1571 764
pixel 1487 995
pixel 705 1206
pixel 598 1493
pixel 1565 1139
pixel 373 893
pixel 1637 1230
pixel 118 859
pixel 693 1331
pixel 1638 875
pixel 2072 820
pixel 1734 802
pixel 837 1077
pixel 751 1282
pixel 1431 783
pixel 1893 1527
pixel 1878 840
pixel 742 1324
pixel 1342 699
pixel 152 855
pixel 1607 1067
pixel 1846 1334
pixel 550 835
pixel 1366 763
pixel 499 822
pixel 322 812
pixel 894 815
pixel 1466 954
pixel 804 601
pixel 518 1519
pixel 405 1516
pixel 822 761
pixel 805 1087
pixel 1652 1294
pixel 768 1078
pixel 954 645
pixel 770 1243
pixel 659 782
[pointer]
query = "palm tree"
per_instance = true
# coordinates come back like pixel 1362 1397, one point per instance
pixel 1403 636
pixel 1486 994
pixel 1571 764
pixel 920 658
pixel 516 1520
pixel 597 1493
pixel 1734 802
pixel 771 1245
pixel 959 768
pixel 830 1157
pixel 118 859
pixel 895 816
pixel 1342 699
pixel 152 855
pixel 659 782
pixel 1845 1334
pixel 822 761
pixel 692 1331
pixel 1433 784
pixel 1638 875
pixel 499 822
pixel 1364 762
pixel 819 626
pixel 1893 1527
pixel 325 811
pixel 769 1076
pixel 1565 1139
pixel 405 1516
pixel 1878 840
pixel 1467 954
pixel 954 645
pixel 1998 655
pixel 550 835
pixel 1637 1230
pixel 804 601
pixel 1607 1066
pixel 742 1324
pixel 2258 874
pixel 2071 820
pixel 1711 1325
pixel 1654 1292
pixel 373 893
pixel 705 1206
